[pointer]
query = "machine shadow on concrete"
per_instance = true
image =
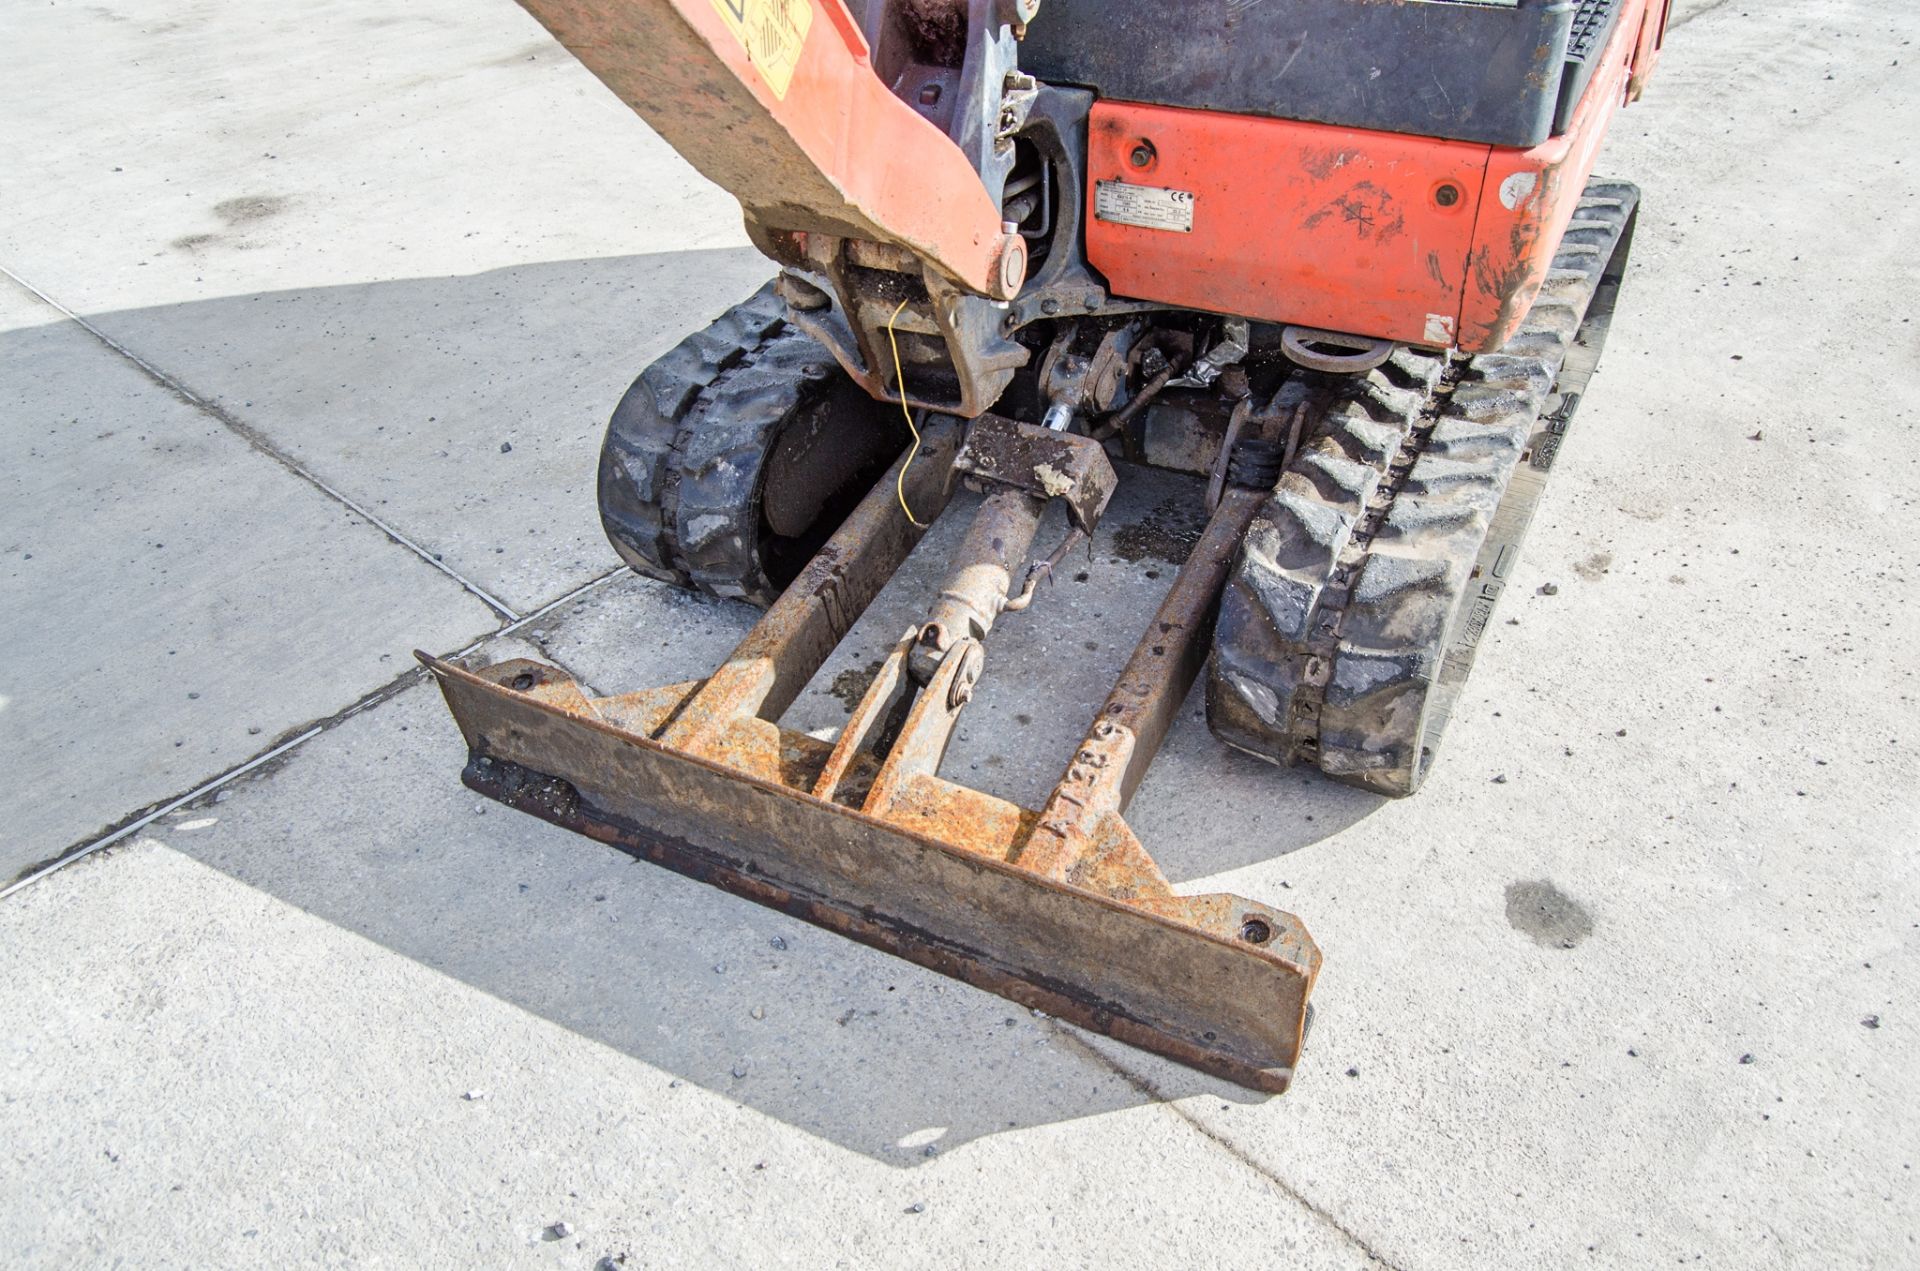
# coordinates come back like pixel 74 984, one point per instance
pixel 368 827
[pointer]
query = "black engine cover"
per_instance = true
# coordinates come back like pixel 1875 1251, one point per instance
pixel 1487 72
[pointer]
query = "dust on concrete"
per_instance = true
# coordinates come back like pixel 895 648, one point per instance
pixel 236 214
pixel 1167 533
pixel 1644 505
pixel 251 208
pixel 1554 919
pixel 1594 567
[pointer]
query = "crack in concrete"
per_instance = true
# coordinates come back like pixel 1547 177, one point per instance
pixel 291 740
pixel 1225 1144
pixel 258 440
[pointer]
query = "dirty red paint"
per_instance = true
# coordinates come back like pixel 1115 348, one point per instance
pixel 1416 239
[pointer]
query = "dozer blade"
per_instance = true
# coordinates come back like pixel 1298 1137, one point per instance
pixel 1058 908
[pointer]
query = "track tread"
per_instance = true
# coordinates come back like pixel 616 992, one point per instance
pixel 1296 546
pixel 1338 617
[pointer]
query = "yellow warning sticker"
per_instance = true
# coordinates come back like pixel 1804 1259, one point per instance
pixel 772 32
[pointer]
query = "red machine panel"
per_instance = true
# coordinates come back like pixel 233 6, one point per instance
pixel 1365 232
pixel 1428 242
pixel 1529 196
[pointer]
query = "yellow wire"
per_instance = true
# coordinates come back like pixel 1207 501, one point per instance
pixel 900 382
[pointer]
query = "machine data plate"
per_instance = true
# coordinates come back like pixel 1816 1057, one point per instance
pixel 1148 206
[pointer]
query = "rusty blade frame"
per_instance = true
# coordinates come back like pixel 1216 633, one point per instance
pixel 1058 908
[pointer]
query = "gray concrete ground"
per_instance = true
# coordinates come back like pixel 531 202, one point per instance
pixel 285 284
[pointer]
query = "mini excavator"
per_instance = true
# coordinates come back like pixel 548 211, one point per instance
pixel 1345 262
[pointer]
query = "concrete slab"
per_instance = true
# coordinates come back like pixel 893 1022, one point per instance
pixel 391 241
pixel 171 599
pixel 1619 988
pixel 711 1010
pixel 171 1107
pixel 1624 985
pixel 652 964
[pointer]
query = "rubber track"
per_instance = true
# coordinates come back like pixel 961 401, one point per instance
pixel 681 468
pixel 1276 633
pixel 1348 599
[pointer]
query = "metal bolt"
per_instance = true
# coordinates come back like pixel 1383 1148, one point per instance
pixel 972 659
pixel 1143 154
pixel 1447 195
pixel 930 95
pixel 1013 261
